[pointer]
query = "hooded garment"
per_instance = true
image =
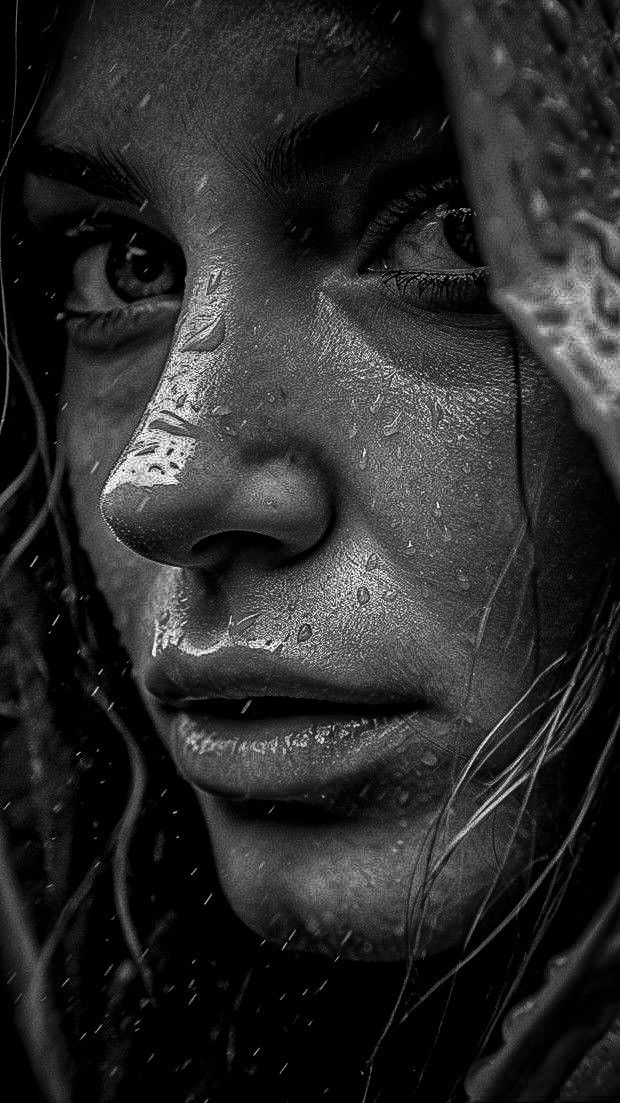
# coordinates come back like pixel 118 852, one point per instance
pixel 534 89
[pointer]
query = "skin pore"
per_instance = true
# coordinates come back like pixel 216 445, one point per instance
pixel 298 444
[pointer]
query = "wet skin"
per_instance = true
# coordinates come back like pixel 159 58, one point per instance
pixel 310 469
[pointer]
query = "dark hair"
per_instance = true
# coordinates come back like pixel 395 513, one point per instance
pixel 134 975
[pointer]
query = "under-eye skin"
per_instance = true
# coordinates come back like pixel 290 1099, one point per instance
pixel 423 246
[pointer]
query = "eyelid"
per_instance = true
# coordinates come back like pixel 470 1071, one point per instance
pixel 49 204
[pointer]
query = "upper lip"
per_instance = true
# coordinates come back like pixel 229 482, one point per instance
pixel 178 680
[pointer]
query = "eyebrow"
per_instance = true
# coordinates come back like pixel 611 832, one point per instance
pixel 333 134
pixel 289 157
pixel 99 173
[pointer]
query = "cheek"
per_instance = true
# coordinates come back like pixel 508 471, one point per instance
pixel 488 505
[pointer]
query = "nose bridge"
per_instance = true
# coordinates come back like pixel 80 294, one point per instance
pixel 216 451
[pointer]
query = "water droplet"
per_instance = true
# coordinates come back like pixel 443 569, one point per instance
pixel 463 581
pixel 437 511
pixel 377 404
pixel 372 562
pixel 363 595
pixel 304 633
pixel 447 535
pixel 467 468
pixel 392 427
pixel 484 428
pixel 207 339
pixel 502 73
pixel 539 206
pixel 410 550
pixel 363 460
pixel 214 280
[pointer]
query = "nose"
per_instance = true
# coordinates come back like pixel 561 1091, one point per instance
pixel 222 502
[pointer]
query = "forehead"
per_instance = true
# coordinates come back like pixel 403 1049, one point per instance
pixel 168 67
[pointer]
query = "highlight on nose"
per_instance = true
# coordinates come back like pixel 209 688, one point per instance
pixel 278 506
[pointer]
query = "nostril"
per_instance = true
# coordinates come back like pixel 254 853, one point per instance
pixel 215 552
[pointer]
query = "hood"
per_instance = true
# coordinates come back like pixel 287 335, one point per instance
pixel 534 95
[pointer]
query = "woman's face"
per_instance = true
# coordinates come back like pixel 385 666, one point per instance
pixel 299 445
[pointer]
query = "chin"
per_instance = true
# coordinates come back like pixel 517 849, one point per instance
pixel 338 889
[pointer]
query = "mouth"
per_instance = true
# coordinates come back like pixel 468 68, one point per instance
pixel 283 748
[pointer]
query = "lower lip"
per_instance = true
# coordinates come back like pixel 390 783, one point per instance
pixel 287 757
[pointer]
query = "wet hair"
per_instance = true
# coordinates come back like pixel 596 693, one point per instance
pixel 130 940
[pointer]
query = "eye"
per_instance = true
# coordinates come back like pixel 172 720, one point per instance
pixel 112 273
pixel 109 281
pixel 427 251
pixel 441 241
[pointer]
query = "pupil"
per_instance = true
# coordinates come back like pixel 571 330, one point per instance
pixel 145 266
pixel 458 227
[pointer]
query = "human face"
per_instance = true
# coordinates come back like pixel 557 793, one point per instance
pixel 298 465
